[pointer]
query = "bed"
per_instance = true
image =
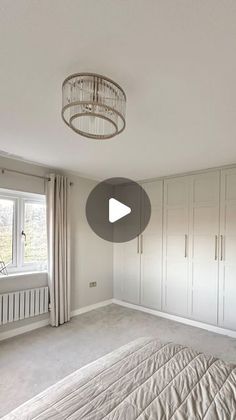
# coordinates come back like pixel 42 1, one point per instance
pixel 143 380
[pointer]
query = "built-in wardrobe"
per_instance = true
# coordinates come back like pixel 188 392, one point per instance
pixel 184 263
pixel 138 263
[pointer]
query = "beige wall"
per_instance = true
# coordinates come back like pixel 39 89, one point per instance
pixel 92 257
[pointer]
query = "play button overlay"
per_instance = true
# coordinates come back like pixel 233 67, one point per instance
pixel 118 209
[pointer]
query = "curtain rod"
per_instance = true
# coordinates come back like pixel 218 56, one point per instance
pixel 3 170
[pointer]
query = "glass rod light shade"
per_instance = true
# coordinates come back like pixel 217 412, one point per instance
pixel 93 105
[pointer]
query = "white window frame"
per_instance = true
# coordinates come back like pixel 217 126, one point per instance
pixel 20 198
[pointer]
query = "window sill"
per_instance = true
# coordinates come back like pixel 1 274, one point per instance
pixel 22 273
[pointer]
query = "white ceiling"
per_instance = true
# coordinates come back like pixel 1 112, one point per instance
pixel 175 59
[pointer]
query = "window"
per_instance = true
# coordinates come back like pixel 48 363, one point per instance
pixel 7 210
pixel 23 233
pixel 35 232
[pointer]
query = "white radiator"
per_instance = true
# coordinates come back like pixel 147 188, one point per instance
pixel 23 304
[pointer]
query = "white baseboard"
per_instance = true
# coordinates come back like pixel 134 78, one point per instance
pixel 91 307
pixel 208 327
pixel 25 328
pixel 35 325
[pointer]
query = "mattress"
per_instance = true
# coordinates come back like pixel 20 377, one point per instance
pixel 143 380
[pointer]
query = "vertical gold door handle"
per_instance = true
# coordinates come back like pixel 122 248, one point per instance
pixel 138 244
pixel 141 244
pixel 185 245
pixel 216 247
pixel 221 247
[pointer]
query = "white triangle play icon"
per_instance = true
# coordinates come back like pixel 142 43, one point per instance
pixel 117 210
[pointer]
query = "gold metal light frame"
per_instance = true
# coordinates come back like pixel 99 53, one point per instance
pixel 93 105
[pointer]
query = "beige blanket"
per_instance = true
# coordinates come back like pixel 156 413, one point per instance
pixel 143 380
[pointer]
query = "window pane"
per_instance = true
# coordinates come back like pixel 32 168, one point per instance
pixel 36 236
pixel 6 230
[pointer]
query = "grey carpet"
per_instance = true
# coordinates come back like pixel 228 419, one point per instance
pixel 33 361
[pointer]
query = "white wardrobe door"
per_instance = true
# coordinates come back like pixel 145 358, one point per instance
pixel 131 272
pixel 204 237
pixel 151 249
pixel 175 245
pixel 126 271
pixel 227 302
pixel 127 255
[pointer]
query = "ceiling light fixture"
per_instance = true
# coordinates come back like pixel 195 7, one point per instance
pixel 93 105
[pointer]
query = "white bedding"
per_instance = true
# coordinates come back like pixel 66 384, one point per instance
pixel 143 380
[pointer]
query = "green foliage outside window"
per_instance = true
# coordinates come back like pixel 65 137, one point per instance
pixel 6 230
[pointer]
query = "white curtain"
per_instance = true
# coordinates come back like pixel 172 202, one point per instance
pixel 58 222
